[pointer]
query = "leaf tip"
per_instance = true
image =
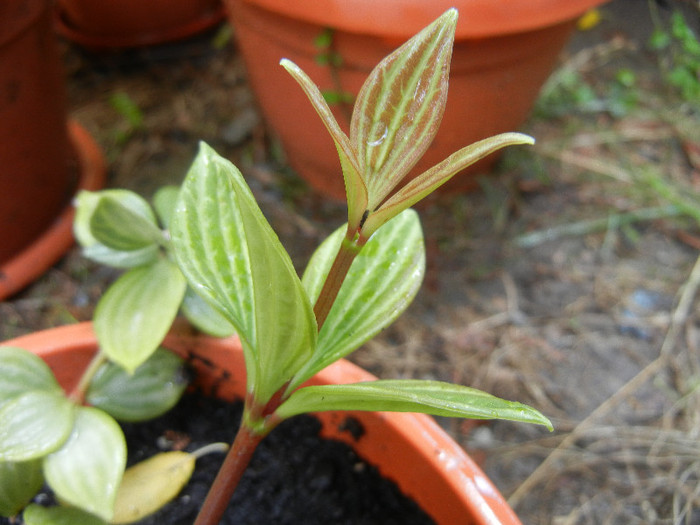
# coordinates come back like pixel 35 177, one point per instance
pixel 451 15
pixel 527 139
pixel 288 64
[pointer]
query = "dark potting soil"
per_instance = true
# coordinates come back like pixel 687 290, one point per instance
pixel 294 478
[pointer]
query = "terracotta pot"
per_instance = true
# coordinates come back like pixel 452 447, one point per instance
pixel 408 448
pixel 43 161
pixel 132 23
pixel 503 53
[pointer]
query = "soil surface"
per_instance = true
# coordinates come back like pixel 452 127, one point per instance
pixel 568 281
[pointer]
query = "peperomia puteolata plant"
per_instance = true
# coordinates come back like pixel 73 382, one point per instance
pixel 356 283
pixel 70 440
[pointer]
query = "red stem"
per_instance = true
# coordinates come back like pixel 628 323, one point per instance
pixel 341 265
pixel 247 439
pixel 230 473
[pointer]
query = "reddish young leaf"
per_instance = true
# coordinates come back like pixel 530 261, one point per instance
pixel 400 106
pixel 438 175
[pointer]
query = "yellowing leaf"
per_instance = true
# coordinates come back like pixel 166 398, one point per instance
pixel 150 484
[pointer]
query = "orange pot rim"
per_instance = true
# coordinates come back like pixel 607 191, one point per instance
pixel 57 239
pixel 90 40
pixel 403 18
pixel 479 499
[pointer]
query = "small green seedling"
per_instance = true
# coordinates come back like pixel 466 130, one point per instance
pixel 217 246
pixel 678 48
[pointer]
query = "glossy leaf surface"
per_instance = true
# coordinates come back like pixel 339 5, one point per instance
pixel 133 316
pixel 429 397
pixel 232 257
pixel 150 484
pixel 138 252
pixel 164 202
pixel 382 281
pixel 37 514
pixel 22 371
pixel 429 181
pixel 19 483
pixel 86 471
pixel 204 316
pixel 34 424
pixel 118 227
pixel 356 189
pixel 399 108
pixel 151 390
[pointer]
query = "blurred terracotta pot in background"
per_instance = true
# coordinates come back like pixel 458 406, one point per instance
pixel 131 23
pixel 44 159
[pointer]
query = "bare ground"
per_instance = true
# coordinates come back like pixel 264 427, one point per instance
pixel 540 287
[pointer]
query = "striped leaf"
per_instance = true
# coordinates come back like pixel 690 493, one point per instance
pixel 119 220
pixel 133 316
pixel 429 181
pixel 34 424
pixel 138 252
pixel 410 395
pixel 232 258
pixel 22 371
pixel 400 106
pixel 206 318
pixel 86 471
pixel 355 187
pixel 151 390
pixel 382 281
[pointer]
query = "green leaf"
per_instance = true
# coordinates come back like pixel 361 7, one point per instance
pixel 118 227
pixel 136 312
pixel 22 371
pixel 399 108
pixel 19 483
pixel 152 389
pixel 87 470
pixel 86 203
pixel 150 484
pixel 164 202
pixel 119 259
pixel 233 259
pixel 382 281
pixel 205 317
pixel 34 424
pixel 89 204
pixel 354 185
pixel 409 395
pixel 438 175
pixel 39 515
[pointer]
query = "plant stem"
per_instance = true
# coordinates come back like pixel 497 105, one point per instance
pixel 78 393
pixel 230 473
pixel 349 249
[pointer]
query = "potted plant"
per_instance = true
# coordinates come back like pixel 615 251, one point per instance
pixel 35 211
pixel 502 55
pixel 214 240
pixel 103 24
